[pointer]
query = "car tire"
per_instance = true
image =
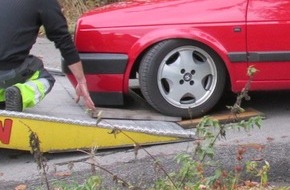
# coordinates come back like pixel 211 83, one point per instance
pixel 182 78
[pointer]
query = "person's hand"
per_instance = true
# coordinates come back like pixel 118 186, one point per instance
pixel 82 91
pixel 81 87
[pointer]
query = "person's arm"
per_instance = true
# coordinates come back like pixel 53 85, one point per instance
pixel 81 87
pixel 56 30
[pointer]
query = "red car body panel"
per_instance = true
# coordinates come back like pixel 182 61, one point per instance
pixel 255 30
pixel 268 31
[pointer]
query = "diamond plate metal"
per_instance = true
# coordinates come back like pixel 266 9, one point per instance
pixel 150 127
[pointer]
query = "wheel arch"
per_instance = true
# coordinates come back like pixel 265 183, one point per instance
pixel 141 47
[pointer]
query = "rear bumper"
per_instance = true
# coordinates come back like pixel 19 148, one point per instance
pixel 104 74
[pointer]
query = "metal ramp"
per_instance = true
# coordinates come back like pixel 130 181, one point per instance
pixel 57 134
pixel 62 125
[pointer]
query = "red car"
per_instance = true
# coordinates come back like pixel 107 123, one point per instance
pixel 184 52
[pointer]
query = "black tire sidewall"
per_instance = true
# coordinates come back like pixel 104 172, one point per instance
pixel 149 84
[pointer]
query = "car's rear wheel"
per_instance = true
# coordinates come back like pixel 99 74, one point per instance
pixel 182 78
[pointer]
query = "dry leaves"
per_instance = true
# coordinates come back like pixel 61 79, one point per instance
pixel 21 187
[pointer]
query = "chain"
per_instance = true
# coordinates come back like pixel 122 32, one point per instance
pixel 174 130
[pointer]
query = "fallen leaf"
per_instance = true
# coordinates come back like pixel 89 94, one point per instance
pixel 202 187
pixel 62 174
pixel 256 146
pixel 21 187
pixel 258 159
pixel 251 184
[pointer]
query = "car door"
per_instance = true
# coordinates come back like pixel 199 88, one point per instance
pixel 268 42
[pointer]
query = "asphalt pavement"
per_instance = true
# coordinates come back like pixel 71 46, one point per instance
pixel 270 143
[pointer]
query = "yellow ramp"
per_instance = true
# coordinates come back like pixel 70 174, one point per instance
pixel 59 134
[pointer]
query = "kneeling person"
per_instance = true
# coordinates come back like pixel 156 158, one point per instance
pixel 23 79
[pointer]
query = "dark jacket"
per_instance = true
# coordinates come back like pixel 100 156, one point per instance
pixel 20 21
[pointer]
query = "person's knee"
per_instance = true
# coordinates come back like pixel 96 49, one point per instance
pixel 44 74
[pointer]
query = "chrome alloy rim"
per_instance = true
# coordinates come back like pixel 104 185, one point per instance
pixel 187 77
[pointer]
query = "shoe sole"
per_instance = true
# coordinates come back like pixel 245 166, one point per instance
pixel 13 99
